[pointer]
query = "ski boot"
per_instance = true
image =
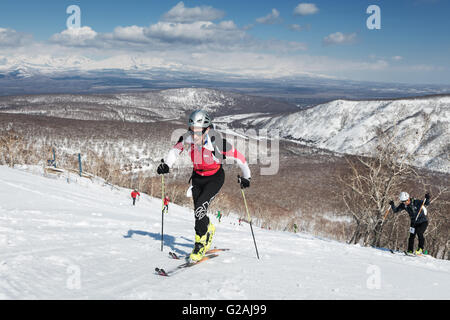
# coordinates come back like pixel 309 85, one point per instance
pixel 199 248
pixel 210 233
pixel 202 244
pixel 419 252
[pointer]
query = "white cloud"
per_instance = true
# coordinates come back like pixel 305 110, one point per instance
pixel 180 13
pixel 75 37
pixel 195 32
pixel 397 58
pixel 271 18
pixel 339 38
pixel 131 34
pixel 160 35
pixel 304 9
pixel 299 28
pixel 171 35
pixel 180 27
pixel 13 38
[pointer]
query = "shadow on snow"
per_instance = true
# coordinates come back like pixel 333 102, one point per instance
pixel 169 240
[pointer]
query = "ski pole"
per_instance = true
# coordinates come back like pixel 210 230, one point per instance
pixel 420 210
pixel 413 228
pixel 162 211
pixel 249 219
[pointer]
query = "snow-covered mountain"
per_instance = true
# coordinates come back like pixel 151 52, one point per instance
pixel 73 73
pixel 48 64
pixel 349 126
pixel 73 238
pixel 150 106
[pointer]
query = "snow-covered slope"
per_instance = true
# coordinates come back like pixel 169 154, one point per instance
pixel 150 106
pixel 61 240
pixel 348 126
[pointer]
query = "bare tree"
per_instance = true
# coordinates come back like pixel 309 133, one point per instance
pixel 12 147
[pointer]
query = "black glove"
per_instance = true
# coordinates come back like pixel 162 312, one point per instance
pixel 163 168
pixel 392 203
pixel 245 183
pixel 427 196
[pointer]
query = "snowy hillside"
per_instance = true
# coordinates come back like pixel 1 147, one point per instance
pixel 161 105
pixel 348 126
pixel 82 240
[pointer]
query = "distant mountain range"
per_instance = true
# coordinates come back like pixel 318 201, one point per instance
pixel 77 74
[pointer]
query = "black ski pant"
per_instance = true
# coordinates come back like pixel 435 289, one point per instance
pixel 134 201
pixel 419 230
pixel 204 190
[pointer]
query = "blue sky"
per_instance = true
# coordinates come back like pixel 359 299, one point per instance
pixel 413 44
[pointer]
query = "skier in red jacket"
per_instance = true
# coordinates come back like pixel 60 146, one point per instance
pixel 166 204
pixel 208 149
pixel 134 194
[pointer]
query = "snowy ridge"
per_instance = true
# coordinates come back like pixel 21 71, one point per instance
pixel 47 64
pixel 83 240
pixel 348 126
pixel 141 107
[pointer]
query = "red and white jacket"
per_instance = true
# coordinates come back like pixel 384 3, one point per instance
pixel 207 159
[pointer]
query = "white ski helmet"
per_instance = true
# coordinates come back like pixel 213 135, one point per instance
pixel 404 196
pixel 199 118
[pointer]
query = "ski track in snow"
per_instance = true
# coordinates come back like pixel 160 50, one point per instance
pixel 85 241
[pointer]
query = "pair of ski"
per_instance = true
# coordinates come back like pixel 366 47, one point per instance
pixel 406 253
pixel 210 254
pixel 416 255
